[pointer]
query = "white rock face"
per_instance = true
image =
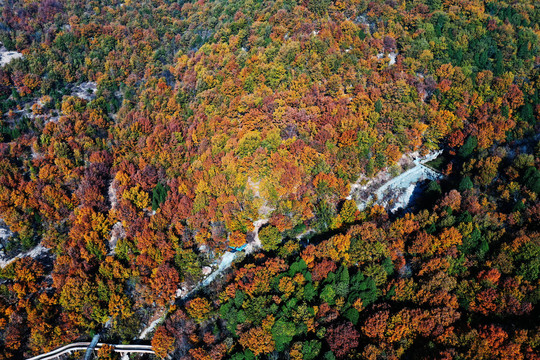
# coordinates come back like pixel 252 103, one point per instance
pixel 117 232
pixel 181 292
pixel 113 198
pixel 5 233
pixel 256 244
pixel 34 253
pixel 7 56
pixel 392 57
pixel 404 198
pixel 85 91
pixel 395 193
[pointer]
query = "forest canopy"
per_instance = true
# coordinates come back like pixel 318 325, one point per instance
pixel 141 141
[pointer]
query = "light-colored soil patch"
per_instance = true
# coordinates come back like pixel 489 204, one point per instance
pixel 264 209
pixel 7 56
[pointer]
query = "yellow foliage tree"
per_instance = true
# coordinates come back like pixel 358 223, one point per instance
pixel 137 196
pixel 258 340
pixel 199 309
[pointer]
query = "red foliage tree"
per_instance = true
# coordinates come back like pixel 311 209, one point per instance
pixel 342 339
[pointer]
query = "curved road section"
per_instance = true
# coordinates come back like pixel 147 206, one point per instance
pixel 123 349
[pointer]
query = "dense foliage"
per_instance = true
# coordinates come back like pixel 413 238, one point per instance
pixel 456 280
pixel 211 115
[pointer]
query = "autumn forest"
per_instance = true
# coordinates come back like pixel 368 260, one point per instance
pixel 260 179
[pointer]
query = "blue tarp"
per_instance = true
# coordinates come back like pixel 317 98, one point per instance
pixel 238 248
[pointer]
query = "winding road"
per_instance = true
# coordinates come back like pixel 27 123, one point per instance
pixel 82 346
